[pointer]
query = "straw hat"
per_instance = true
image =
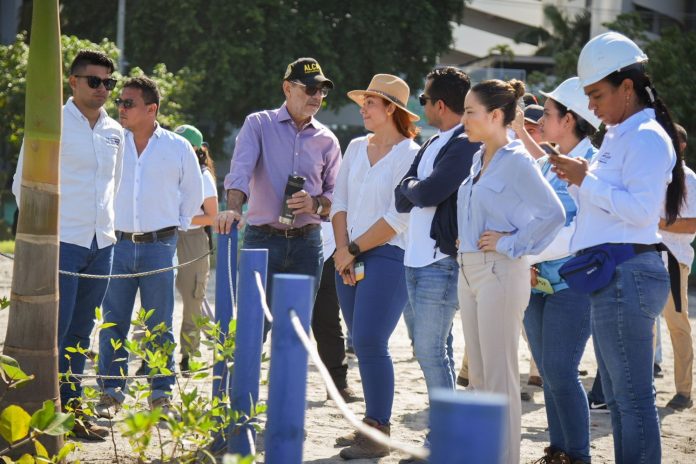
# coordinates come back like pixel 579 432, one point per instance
pixel 391 88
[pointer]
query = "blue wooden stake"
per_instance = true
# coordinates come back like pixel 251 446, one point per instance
pixel 466 427
pixel 288 376
pixel 247 356
pixel 225 270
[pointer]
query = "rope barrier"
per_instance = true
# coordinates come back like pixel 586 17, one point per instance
pixel 372 433
pixel 264 305
pixel 125 276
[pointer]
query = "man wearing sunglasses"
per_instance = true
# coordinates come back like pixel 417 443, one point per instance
pixel 429 193
pixel 91 156
pixel 271 146
pixel 161 191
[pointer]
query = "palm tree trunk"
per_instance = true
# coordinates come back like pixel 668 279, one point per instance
pixel 31 330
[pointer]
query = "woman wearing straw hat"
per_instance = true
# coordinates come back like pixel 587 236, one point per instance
pixel 557 320
pixel 370 245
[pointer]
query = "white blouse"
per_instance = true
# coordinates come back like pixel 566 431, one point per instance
pixel 622 195
pixel 366 193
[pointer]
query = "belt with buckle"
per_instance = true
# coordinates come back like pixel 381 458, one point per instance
pixel 287 233
pixel 146 237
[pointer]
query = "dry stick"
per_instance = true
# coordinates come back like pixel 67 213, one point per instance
pixel 372 433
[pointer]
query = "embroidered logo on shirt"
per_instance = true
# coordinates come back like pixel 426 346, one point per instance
pixel 113 140
pixel 604 158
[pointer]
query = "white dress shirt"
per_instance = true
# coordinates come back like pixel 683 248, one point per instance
pixel 680 244
pixel 162 187
pixel 209 191
pixel 513 197
pixel 366 193
pixel 91 161
pixel 328 241
pixel 622 195
pixel 420 244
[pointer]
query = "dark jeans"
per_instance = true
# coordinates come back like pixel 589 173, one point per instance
pixel 78 299
pixel 295 255
pixel 326 325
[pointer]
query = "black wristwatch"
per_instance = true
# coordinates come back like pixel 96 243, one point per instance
pixel 353 249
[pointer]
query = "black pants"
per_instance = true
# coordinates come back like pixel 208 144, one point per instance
pixel 326 325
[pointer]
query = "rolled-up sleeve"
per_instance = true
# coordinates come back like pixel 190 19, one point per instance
pixel 396 220
pixel 190 186
pixel 247 150
pixel 545 209
pixel 331 170
pixel 340 192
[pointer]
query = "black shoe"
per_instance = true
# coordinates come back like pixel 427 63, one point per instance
pixel 142 370
pixel 462 381
pixel 598 407
pixel 680 402
pixel 184 367
pixel 657 371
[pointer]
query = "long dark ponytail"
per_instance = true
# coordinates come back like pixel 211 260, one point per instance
pixel 647 95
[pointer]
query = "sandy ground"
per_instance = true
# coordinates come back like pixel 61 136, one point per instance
pixel 324 422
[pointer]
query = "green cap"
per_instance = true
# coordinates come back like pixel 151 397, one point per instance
pixel 191 134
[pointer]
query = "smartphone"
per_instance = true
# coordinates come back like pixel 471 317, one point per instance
pixel 359 271
pixel 549 149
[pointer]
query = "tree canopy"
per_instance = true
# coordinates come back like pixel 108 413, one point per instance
pixel 237 52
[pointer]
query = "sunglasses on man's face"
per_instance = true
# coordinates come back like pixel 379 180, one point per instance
pixel 423 99
pixel 127 103
pixel 312 91
pixel 94 82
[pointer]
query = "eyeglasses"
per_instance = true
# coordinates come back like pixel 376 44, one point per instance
pixel 127 103
pixel 94 82
pixel 312 91
pixel 423 99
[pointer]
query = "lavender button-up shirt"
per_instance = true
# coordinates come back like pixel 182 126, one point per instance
pixel 269 148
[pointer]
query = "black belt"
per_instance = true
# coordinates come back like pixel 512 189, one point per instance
pixel 287 233
pixel 146 237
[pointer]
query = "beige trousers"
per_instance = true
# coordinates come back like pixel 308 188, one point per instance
pixel 533 369
pixel 680 333
pixel 191 281
pixel 493 294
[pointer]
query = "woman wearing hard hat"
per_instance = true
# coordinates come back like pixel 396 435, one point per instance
pixel 557 319
pixel 620 195
pixel 505 209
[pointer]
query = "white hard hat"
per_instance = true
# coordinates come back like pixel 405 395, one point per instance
pixel 605 54
pixel 571 95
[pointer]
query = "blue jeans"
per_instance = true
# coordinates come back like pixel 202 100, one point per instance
pixel 372 309
pixel 558 327
pixel 156 292
pixel 295 255
pixel 433 302
pixel 623 317
pixel 78 299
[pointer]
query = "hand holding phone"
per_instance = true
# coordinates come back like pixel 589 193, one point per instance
pixel 549 149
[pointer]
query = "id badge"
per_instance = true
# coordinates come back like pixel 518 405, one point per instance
pixel 543 285
pixel 359 271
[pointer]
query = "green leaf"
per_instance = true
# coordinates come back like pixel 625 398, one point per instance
pixel 14 423
pixel 40 450
pixel 65 450
pixel 47 420
pixel 26 459
pixel 11 372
